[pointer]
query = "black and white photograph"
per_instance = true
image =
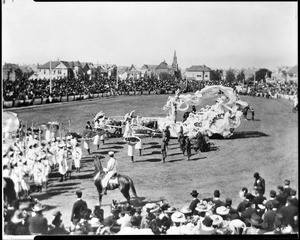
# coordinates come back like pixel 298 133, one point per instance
pixel 149 118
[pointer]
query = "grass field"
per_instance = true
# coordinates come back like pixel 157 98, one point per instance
pixel 268 145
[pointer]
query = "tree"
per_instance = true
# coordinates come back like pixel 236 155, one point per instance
pixel 230 76
pixel 241 76
pixel 261 74
pixel 216 74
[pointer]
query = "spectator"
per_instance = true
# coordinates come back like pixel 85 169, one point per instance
pixel 38 224
pixel 57 227
pixel 259 182
pixel 195 201
pixel 79 208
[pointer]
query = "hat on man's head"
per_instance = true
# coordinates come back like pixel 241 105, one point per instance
pixel 256 175
pixel 272 193
pixel 111 153
pixel 78 192
pixel 217 193
pixel 287 182
pixel 280 187
pixel 228 201
pixel 57 213
pixel 293 192
pixel 194 193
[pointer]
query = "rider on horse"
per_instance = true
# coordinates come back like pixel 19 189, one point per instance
pixel 110 171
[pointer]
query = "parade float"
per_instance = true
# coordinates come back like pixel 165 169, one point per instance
pixel 222 117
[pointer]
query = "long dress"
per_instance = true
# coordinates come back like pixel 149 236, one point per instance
pixel 130 151
pixel 62 162
pixel 77 154
pixel 38 173
pixel 139 144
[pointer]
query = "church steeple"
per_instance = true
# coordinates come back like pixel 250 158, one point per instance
pixel 174 64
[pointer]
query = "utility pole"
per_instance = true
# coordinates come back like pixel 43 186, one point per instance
pixel 50 77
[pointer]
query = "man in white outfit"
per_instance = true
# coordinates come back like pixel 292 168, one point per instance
pixel 110 171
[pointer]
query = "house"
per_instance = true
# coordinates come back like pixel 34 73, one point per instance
pixel 148 70
pixel 163 67
pixel 198 73
pixel 10 72
pixel 133 72
pixel 280 74
pixel 122 72
pixel 55 69
pixel 292 74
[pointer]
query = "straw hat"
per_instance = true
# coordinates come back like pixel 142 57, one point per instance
pixel 178 217
pixel 217 220
pixel 222 210
pixel 170 210
pixel 201 207
pixel 185 210
pixel 38 207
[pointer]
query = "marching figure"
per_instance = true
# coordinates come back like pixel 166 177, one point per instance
pixel 38 173
pixel 164 149
pixel 86 145
pixel 110 171
pixel 69 160
pixel 77 154
pixel 62 163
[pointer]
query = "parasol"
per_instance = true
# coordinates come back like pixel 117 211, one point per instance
pixel 10 122
pixel 88 133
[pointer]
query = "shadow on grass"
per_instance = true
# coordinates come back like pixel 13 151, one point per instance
pixel 242 134
pixel 85 176
pixel 63 184
pixel 174 154
pixel 151 143
pixel 46 195
pixel 153 152
pixel 49 207
pixel 113 147
pixel 155 146
pixel 175 160
pixel 150 160
pixel 196 159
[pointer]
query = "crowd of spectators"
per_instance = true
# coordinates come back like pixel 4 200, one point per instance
pixel 24 89
pixel 257 213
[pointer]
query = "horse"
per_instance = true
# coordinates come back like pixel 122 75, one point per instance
pixel 124 183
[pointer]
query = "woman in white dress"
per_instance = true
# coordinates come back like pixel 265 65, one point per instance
pixel 77 154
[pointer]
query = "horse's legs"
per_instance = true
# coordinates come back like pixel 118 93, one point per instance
pixel 125 193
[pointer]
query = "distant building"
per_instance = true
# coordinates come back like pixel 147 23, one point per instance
pixel 148 70
pixel 292 74
pixel 198 73
pixel 163 67
pixel 280 74
pixel 133 72
pixel 10 72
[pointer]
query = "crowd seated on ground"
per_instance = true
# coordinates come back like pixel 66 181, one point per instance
pixel 275 212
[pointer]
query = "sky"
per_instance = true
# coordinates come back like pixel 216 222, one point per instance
pixel 217 34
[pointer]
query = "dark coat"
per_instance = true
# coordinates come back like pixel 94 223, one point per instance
pixel 246 215
pixel 281 198
pixel 78 209
pixel 38 224
pixel 274 202
pixel 260 183
pixel 288 213
pixel 269 220
pixel 242 206
pixel 193 205
pixel 259 200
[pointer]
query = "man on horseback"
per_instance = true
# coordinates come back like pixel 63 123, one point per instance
pixel 110 171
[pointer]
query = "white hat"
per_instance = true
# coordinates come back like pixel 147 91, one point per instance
pixel 217 220
pixel 111 153
pixel 222 210
pixel 178 217
pixel 185 210
pixel 236 224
